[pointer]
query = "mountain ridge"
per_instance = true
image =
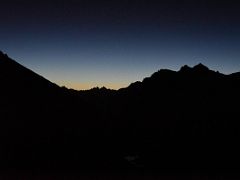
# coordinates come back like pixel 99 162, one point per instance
pixel 159 121
pixel 198 68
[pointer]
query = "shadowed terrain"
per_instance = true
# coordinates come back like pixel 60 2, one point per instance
pixel 172 121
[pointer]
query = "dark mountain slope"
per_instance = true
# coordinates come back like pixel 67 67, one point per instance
pixel 25 91
pixel 15 75
pixel 40 121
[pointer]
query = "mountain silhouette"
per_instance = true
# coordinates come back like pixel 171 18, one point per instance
pixel 172 120
pixel 11 70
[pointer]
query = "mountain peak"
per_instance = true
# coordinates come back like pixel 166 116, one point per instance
pixel 197 68
pixel 201 67
pixel 185 68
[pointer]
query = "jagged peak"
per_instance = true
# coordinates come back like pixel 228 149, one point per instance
pixel 198 67
pixel 185 68
pixel 201 67
pixel 162 72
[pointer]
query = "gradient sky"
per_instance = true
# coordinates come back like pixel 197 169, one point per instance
pixel 87 43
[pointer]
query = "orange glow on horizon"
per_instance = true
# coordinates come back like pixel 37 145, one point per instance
pixel 86 86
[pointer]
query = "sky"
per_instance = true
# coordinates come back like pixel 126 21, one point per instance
pixel 87 43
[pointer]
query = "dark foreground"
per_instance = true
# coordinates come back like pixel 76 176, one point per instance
pixel 22 176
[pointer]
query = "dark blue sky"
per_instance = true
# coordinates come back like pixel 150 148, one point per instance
pixel 89 43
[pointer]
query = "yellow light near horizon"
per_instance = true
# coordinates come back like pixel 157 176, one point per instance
pixel 86 86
